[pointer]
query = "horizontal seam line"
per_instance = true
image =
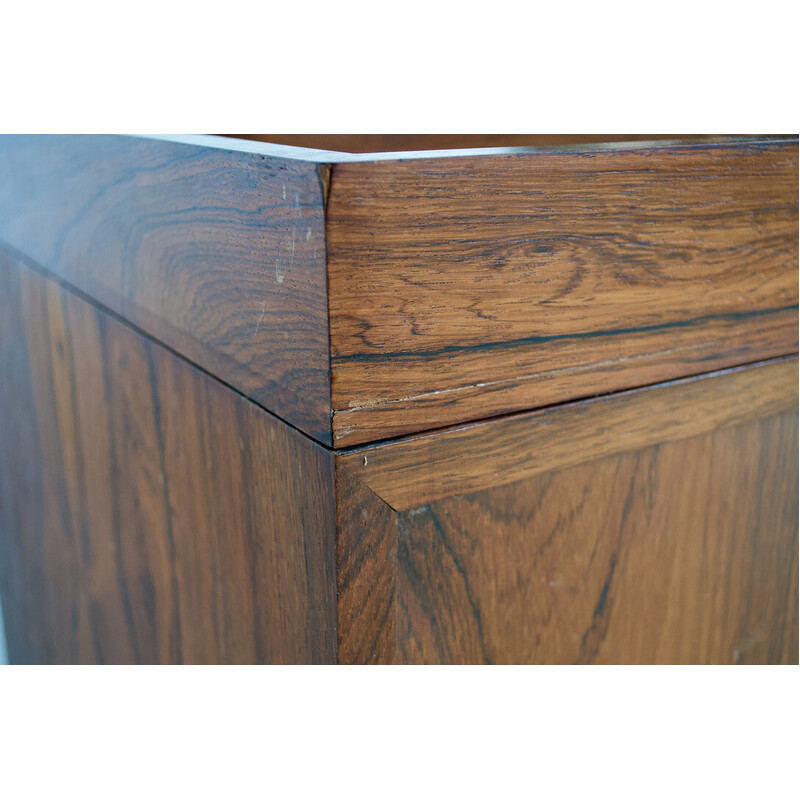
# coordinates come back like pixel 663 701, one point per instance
pixel 510 415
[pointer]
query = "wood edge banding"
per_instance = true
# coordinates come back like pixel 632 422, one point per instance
pixel 412 472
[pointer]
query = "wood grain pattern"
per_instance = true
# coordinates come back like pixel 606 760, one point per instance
pixel 366 566
pixel 460 288
pixel 675 552
pixel 148 514
pixel 413 471
pixel 467 287
pixel 684 552
pixel 220 255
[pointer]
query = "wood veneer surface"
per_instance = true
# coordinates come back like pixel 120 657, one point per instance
pixel 674 551
pixel 149 514
pixel 218 254
pixel 415 470
pixel 365 300
pixel 471 287
pixel 684 552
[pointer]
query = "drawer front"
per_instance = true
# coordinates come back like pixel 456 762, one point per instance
pixel 462 288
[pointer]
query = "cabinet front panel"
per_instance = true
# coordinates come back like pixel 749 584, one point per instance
pixel 680 553
pixel 679 550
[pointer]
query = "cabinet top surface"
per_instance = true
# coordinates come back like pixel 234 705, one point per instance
pixel 355 148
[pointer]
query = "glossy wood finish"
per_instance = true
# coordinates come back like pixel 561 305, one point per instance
pixel 462 288
pixel 149 514
pixel 677 552
pixel 413 471
pixel 218 254
pixel 362 299
pixel 366 568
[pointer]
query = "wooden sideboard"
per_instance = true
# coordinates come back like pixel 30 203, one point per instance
pixel 527 403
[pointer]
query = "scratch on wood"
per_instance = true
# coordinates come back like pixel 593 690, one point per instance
pixel 263 313
pixel 360 405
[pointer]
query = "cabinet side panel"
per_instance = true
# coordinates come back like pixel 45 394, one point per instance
pixel 149 514
pixel 220 255
pixel 681 552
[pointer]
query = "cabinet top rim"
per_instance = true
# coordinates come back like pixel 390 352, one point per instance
pixel 319 156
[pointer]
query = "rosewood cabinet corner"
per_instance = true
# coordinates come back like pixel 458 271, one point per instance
pixel 532 403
